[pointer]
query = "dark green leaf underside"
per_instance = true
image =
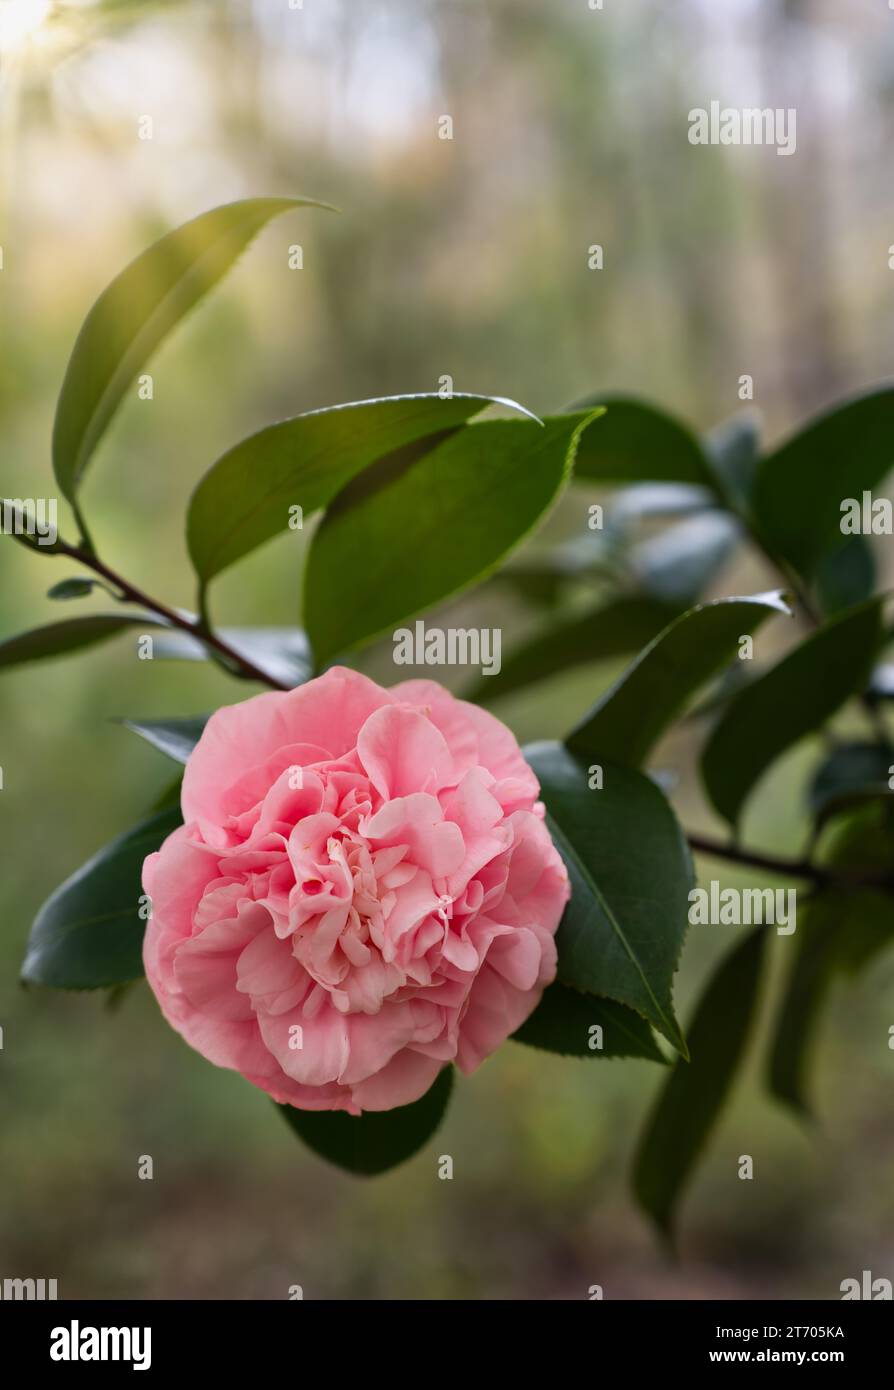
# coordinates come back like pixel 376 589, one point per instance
pixel 565 1019
pixel 626 722
pixel 89 934
pixel 375 1141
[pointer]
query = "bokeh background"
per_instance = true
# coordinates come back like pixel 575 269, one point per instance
pixel 469 258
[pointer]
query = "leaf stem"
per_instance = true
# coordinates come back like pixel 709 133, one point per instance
pixel 194 627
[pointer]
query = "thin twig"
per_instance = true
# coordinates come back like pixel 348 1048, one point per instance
pixel 789 868
pixel 195 628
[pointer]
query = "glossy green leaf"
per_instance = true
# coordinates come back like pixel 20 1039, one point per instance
pixel 690 1102
pixel 89 934
pixel 792 699
pixel 565 1021
pixel 71 635
pixel 638 442
pixel 800 487
pixel 421 528
pixel 630 872
pixel 377 1140
pixel 244 498
pixel 614 629
pixel 176 738
pixel 135 313
pixel 626 721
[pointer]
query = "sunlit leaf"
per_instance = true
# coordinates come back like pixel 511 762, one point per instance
pixel 245 497
pixel 418 529
pixel 135 313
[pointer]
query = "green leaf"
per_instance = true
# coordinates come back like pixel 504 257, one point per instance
pixel 176 738
pixel 648 501
pixel 863 842
pixel 805 994
pixel 419 529
pixel 135 314
pixel 17 525
pixel 733 451
pixel 718 695
pixel 620 626
pixel 630 872
pixel 169 797
pixel 852 772
pixel 680 562
pixel 690 1101
pixel 76 587
pixel 839 931
pixel 377 1140
pixel 628 719
pixel 59 639
pixel 792 699
pixel 563 1020
pixel 847 575
pixel 638 442
pixel 89 934
pixel 800 487
pixel 244 498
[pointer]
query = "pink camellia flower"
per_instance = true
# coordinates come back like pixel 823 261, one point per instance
pixel 363 890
